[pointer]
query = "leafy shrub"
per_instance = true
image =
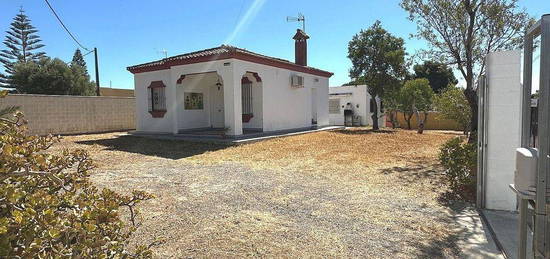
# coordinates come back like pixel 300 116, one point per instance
pixel 460 162
pixel 48 206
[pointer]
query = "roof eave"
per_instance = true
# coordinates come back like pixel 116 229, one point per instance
pixel 167 63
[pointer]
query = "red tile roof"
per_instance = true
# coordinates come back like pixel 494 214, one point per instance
pixel 224 52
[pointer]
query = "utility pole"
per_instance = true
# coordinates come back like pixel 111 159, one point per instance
pixel 96 72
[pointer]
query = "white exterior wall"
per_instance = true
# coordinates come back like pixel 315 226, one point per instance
pixel 503 127
pixel 359 96
pixel 144 121
pixel 282 107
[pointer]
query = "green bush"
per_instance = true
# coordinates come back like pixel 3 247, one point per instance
pixel 460 162
pixel 48 206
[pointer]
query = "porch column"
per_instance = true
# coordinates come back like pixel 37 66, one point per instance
pixel 232 99
pixel 172 104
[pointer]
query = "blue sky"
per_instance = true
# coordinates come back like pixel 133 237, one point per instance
pixel 132 32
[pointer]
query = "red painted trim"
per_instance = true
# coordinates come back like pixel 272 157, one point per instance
pixel 180 79
pixel 157 114
pixel 279 64
pixel 166 64
pixel 245 80
pixel 256 76
pixel 247 117
pixel 156 84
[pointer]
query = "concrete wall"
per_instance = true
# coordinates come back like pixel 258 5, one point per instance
pixel 435 122
pixel 360 101
pixel 503 127
pixel 53 114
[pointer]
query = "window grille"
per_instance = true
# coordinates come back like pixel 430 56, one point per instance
pixel 156 99
pixel 246 100
pixel 334 106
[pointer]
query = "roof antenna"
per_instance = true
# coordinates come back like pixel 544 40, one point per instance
pixel 299 18
pixel 163 51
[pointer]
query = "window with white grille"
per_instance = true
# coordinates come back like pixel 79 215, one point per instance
pixel 334 106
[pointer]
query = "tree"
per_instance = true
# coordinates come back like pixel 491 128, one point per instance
pixel 51 76
pixel 420 98
pixel 22 44
pixel 392 102
pixel 463 32
pixel 439 75
pixel 452 104
pixel 378 58
pixel 78 60
pixel 48 206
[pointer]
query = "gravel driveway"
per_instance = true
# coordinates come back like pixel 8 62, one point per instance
pixel 215 203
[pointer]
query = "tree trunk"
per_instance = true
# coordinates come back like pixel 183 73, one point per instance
pixel 408 117
pixel 421 122
pixel 375 115
pixel 471 96
pixel 393 119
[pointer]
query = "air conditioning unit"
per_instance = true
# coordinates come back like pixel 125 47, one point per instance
pixel 296 81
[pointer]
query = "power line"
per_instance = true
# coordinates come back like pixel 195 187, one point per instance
pixel 65 27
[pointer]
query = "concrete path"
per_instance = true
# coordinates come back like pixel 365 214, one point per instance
pixel 475 240
pixel 505 226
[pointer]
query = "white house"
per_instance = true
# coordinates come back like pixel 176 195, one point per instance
pixel 354 98
pixel 233 89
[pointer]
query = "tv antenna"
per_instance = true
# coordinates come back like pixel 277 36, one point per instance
pixel 299 18
pixel 163 51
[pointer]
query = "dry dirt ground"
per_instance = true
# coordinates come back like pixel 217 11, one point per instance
pixel 347 193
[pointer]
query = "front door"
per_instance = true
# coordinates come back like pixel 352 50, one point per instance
pixel 216 107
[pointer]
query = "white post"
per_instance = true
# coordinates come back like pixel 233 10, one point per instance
pixel 232 98
pixel 172 103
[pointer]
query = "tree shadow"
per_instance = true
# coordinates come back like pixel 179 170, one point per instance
pixel 459 210
pixel 363 131
pixel 171 149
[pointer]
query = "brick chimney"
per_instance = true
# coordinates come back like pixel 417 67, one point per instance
pixel 300 47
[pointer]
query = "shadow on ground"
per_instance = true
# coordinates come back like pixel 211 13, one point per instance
pixel 170 149
pixel 458 209
pixel 363 131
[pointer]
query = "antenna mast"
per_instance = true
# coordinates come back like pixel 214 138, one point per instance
pixel 300 18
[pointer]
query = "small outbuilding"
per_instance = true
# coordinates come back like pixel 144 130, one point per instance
pixel 231 89
pixel 352 105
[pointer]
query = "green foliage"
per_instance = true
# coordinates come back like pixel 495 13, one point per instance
pixel 439 75
pixel 462 32
pixel 52 76
pixel 21 45
pixel 378 59
pixel 78 60
pixel 460 160
pixel 417 96
pixel 452 104
pixel 48 206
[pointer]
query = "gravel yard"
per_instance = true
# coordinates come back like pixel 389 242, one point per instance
pixel 348 193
